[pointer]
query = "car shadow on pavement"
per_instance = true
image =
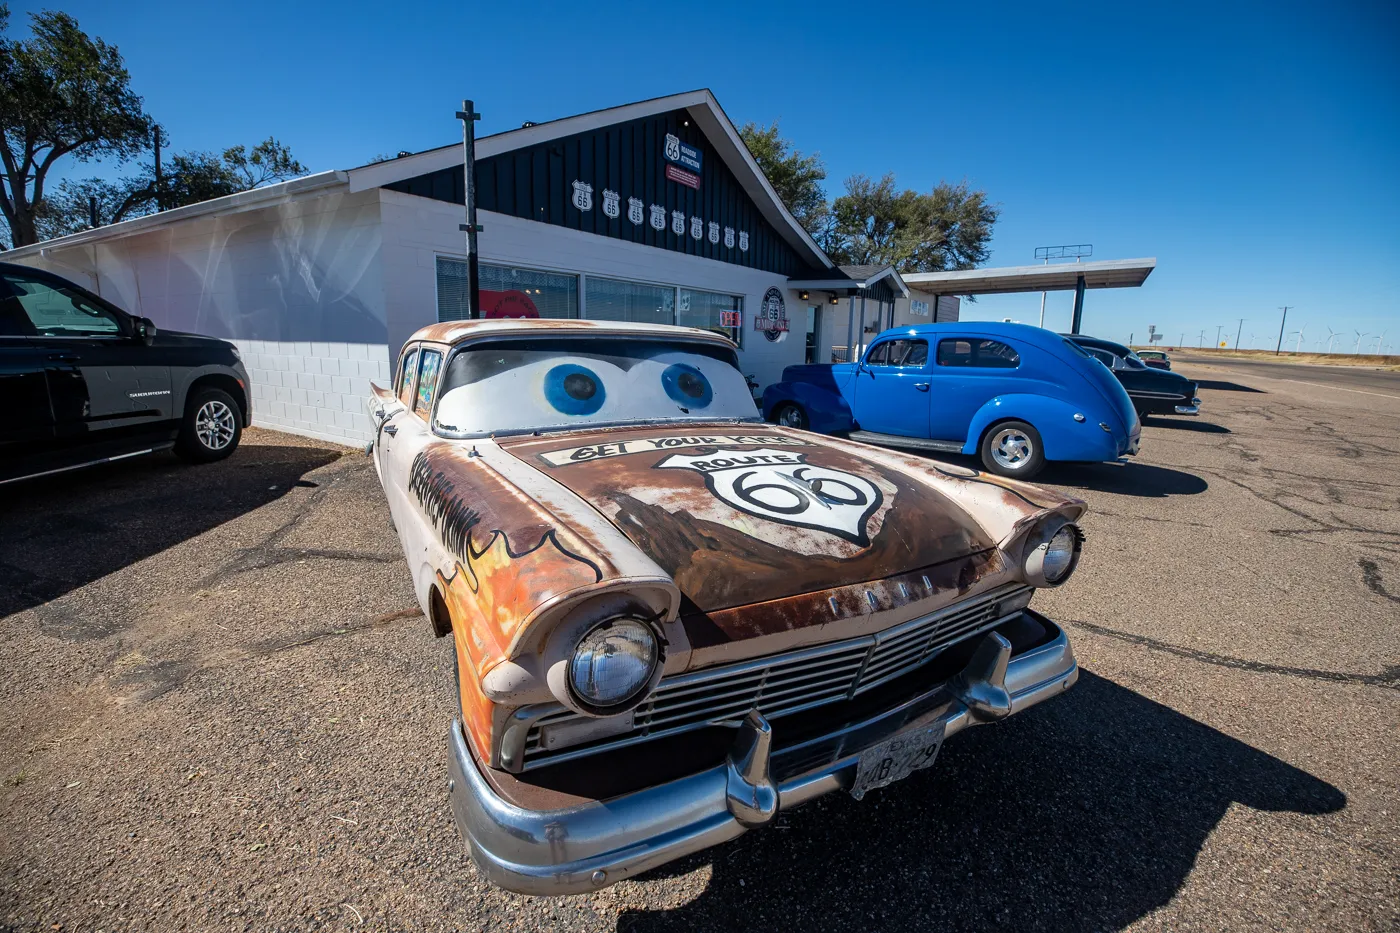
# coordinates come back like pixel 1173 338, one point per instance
pixel 65 531
pixel 1219 386
pixel 1132 479
pixel 1086 813
pixel 1183 424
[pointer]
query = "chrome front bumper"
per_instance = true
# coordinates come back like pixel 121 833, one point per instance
pixel 584 848
pixel 1193 409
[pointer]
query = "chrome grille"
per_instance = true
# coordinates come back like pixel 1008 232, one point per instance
pixel 782 684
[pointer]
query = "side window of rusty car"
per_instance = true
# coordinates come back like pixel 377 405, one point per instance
pixel 427 382
pixel 408 372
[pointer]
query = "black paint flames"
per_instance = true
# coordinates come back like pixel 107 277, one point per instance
pixel 453 520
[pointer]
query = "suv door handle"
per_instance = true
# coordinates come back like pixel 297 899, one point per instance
pixel 921 386
pixel 391 429
pixel 64 357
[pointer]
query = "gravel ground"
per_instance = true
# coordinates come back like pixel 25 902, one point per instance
pixel 222 711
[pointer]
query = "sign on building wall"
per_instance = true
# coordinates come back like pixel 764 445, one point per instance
pixel 918 307
pixel 683 154
pixel 772 319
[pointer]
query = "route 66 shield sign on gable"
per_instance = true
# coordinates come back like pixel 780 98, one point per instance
pixel 781 486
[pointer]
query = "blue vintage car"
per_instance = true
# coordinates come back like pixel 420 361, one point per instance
pixel 1013 394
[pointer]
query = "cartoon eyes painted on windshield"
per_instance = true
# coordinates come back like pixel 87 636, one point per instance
pixel 687 386
pixel 574 390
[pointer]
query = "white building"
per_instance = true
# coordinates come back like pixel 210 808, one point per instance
pixel 652 211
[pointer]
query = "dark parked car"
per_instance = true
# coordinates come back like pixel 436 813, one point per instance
pixel 1153 391
pixel 85 382
pixel 1155 359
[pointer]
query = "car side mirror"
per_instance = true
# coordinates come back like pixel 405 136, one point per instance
pixel 145 330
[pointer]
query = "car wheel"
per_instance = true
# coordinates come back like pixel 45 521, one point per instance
pixel 1013 448
pixel 212 427
pixel 791 416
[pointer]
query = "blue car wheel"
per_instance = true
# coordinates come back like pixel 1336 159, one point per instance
pixel 791 416
pixel 1012 448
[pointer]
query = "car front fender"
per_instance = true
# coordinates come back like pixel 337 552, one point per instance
pixel 827 411
pixel 1064 437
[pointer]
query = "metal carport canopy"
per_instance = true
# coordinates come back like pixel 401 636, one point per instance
pixel 1111 273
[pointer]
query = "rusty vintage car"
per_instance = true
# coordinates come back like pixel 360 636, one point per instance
pixel 672 620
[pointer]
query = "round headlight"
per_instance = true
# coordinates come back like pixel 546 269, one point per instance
pixel 613 662
pixel 1052 553
pixel 1059 555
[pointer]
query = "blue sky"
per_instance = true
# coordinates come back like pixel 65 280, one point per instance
pixel 1252 148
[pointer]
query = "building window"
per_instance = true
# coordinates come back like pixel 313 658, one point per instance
pixel 712 311
pixel 613 300
pixel 505 292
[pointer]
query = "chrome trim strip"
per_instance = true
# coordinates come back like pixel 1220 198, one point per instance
pixel 79 466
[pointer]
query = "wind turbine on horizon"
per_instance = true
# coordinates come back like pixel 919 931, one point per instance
pixel 1299 334
pixel 1331 335
pixel 1359 335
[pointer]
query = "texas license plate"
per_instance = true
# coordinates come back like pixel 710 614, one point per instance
pixel 896 758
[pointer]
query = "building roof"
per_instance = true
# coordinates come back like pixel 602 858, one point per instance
pixel 708 115
pixel 1112 273
pixel 852 279
pixel 296 188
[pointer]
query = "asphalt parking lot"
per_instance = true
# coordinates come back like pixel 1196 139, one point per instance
pixel 222 711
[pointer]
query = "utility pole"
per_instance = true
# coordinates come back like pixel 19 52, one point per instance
pixel 1218 329
pixel 469 116
pixel 1202 341
pixel 1182 342
pixel 160 185
pixel 1238 330
pixel 1281 324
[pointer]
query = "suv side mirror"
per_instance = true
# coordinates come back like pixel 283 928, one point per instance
pixel 145 330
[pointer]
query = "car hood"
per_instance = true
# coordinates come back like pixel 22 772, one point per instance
pixel 744 513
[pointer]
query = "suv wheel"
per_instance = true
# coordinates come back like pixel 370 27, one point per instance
pixel 1013 448
pixel 212 427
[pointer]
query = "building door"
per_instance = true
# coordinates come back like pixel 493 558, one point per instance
pixel 813 328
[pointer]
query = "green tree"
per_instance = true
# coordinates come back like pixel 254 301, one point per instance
pixel 875 223
pixel 796 178
pixel 61 93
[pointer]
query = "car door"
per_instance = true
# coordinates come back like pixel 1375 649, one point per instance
pixel 404 437
pixel 968 372
pixel 103 382
pixel 26 430
pixel 892 388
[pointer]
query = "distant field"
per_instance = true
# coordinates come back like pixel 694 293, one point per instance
pixel 1371 360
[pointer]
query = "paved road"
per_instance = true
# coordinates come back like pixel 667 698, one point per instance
pixel 221 711
pixel 1334 378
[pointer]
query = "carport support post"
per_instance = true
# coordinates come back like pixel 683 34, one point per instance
pixel 1078 305
pixel 862 321
pixel 850 328
pixel 469 116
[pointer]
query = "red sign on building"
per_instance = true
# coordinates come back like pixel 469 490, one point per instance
pixel 680 175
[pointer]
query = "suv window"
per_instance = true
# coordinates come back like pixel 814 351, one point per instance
pixel 427 382
pixel 900 352
pixel 986 354
pixel 407 373
pixel 58 311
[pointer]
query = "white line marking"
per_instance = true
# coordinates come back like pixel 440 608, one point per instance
pixel 1320 385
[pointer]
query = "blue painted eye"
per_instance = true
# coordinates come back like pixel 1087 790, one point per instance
pixel 574 390
pixel 687 386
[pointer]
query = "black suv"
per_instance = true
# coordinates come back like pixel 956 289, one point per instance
pixel 84 382
pixel 1153 391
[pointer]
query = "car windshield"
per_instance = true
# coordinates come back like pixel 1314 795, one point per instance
pixel 1134 361
pixel 530 384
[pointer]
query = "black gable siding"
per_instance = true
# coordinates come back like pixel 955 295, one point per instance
pixel 536 183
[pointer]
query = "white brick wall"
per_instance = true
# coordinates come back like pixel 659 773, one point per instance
pixel 315 389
